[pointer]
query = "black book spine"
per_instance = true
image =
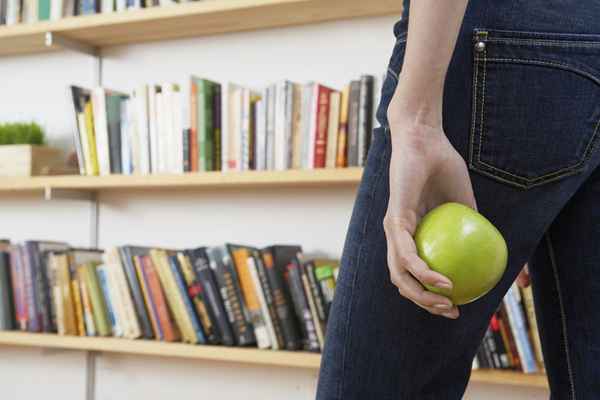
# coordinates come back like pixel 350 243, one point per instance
pixel 34 311
pixel 501 349
pixel 269 298
pixel 489 347
pixel 282 302
pixel 366 115
pixel 317 294
pixel 216 312
pixel 7 312
pixel 294 279
pixel 218 130
pixel 222 266
pixel 481 358
pixel 353 114
pixel 136 291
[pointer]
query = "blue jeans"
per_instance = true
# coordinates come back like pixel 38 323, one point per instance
pixel 522 106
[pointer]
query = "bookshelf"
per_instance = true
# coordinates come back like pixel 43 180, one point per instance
pixel 224 354
pixel 203 180
pixel 182 20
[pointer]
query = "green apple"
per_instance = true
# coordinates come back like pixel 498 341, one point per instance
pixel 464 246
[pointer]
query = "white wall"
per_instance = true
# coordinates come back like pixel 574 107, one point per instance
pixel 34 87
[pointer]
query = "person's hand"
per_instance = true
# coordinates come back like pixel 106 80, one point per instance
pixel 523 279
pixel 425 172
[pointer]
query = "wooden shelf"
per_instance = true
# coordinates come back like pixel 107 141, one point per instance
pixel 198 18
pixel 224 354
pixel 203 180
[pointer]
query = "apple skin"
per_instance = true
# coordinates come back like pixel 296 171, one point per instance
pixel 464 246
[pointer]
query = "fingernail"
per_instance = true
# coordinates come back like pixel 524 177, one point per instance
pixel 442 306
pixel 450 314
pixel 443 285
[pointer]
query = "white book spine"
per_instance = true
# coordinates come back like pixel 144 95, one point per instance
pixel 177 109
pixel 312 133
pixel 235 147
pixel 305 124
pixel 101 130
pixel 261 134
pixel 153 129
pixel 270 137
pixel 107 6
pixel 125 138
pixel 121 5
pixel 280 131
pixel 289 108
pixel 161 134
pixel 56 9
pixel 13 12
pixel 116 300
pixel 142 124
pixel 245 130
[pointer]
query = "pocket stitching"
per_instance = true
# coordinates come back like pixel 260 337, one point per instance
pixel 528 182
pixel 545 42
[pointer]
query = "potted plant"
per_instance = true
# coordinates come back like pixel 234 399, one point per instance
pixel 23 151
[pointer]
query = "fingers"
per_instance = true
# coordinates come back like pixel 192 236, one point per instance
pixel 408 273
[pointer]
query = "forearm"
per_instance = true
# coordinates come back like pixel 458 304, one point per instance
pixel 432 33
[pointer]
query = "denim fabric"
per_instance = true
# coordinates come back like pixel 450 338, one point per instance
pixel 523 109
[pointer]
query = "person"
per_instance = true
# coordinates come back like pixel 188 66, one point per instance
pixel 494 104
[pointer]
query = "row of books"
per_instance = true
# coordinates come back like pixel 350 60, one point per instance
pixel 512 340
pixel 209 126
pixel 273 298
pixel 29 11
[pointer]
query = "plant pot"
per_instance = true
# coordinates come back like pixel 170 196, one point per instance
pixel 28 160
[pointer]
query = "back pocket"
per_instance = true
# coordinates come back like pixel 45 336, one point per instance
pixel 536 105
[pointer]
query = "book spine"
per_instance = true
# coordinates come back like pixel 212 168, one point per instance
pixel 79 316
pixel 197 295
pixel 209 127
pixel 44 295
pixel 353 124
pixel 217 127
pixel 33 324
pixel 90 326
pixel 201 123
pixel 250 298
pixel 341 159
pixel 7 315
pixel 99 309
pixel 194 150
pixel 517 323
pixel 132 325
pixel 264 308
pixel 301 306
pixel 135 289
pixel 332 129
pixel 23 296
pixel 220 263
pixel 491 347
pixel 527 295
pixel 501 349
pixel 322 116
pixel 113 116
pixel 365 117
pixel 507 337
pixel 16 286
pixel 186 150
pixel 296 126
pixel 267 291
pixel 155 290
pixel 189 310
pixel 148 299
pixel 112 317
pixel 289 121
pixel 317 295
pixel 270 127
pixel 283 303
pixel 312 306
pixel 202 268
pixel 70 323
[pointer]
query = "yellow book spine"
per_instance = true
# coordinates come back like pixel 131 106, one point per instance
pixel 90 325
pixel 91 139
pixel 78 307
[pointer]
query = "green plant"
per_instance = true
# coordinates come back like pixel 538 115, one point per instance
pixel 21 133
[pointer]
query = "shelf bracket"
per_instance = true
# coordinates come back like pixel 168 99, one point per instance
pixel 55 39
pixel 68 194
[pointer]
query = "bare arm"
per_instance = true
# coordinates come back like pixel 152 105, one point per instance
pixel 425 170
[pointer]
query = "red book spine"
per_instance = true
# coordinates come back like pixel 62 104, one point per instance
pixel 324 94
pixel 156 292
pixel 193 127
pixel 20 310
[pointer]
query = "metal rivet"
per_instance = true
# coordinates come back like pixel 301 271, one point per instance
pixel 480 46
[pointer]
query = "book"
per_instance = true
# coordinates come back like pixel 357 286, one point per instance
pixel 170 332
pixel 333 125
pixel 240 256
pixel 113 123
pixel 353 125
pixel 324 276
pixel 217 119
pixel 142 157
pixel 216 307
pixel 101 129
pixel 271 93
pixel 90 139
pixel 301 305
pixel 65 302
pixel 203 116
pixel 109 301
pixel 17 262
pixel 517 323
pixel 527 295
pixel 79 134
pixel 275 260
pixel 99 307
pixel 226 278
pixel 296 126
pixel 134 285
pixel 7 312
pixel 88 315
pixel 504 360
pixel 43 10
pixel 151 306
pixel 198 298
pixel 365 116
pixel 319 125
pixel 320 312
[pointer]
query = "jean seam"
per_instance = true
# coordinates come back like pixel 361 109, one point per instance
pixel 539 37
pixel 477 163
pixel 545 42
pixel 474 112
pixel 562 316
